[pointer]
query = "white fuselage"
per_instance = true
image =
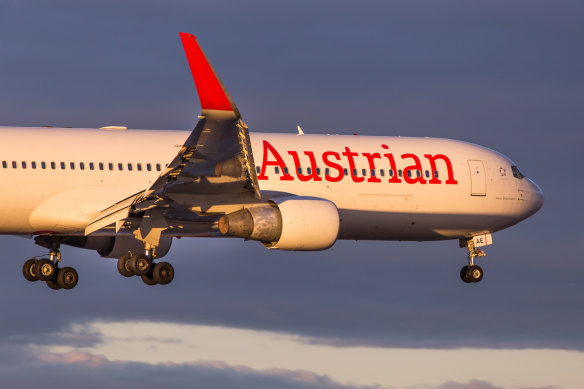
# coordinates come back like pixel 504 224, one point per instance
pixel 57 180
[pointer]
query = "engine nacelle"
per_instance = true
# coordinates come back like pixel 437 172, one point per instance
pixel 116 246
pixel 287 223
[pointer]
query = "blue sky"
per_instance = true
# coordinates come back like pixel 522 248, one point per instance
pixel 506 75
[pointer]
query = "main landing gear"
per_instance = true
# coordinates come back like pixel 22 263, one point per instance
pixel 471 273
pixel 48 270
pixel 142 265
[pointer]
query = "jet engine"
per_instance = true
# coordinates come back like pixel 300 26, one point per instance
pixel 287 223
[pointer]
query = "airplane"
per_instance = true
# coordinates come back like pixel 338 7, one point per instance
pixel 127 193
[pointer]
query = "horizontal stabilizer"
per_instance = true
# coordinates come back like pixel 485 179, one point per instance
pixel 215 101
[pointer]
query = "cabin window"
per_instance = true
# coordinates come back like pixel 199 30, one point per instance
pixel 436 173
pixel 382 173
pixel 110 166
pixel 72 165
pixel 286 170
pixel 158 167
pixel 33 164
pixel 364 171
pixel 318 171
pixel 53 165
pixel 409 173
pixel 139 167
pixel 391 172
pixel 372 172
pixel 299 170
pixel 427 174
pixel 418 173
pixel 130 167
pixel 43 165
pixel 63 165
pixel 120 166
pixel 309 171
pixel 327 171
pixel 82 165
pixel 14 164
pixel 400 173
pixel 4 164
pixel 91 166
pixel 345 171
pixel 100 165
pixel 148 167
pixel 355 172
pixel 258 169
pixel 276 170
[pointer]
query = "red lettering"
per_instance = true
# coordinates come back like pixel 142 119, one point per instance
pixel 349 154
pixel 417 168
pixel 336 166
pixel 370 158
pixel 394 178
pixel 313 174
pixel 432 159
pixel 277 162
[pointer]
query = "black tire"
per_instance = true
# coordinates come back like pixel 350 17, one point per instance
pixel 44 269
pixel 163 273
pixel 124 266
pixel 67 278
pixel 148 281
pixel 140 265
pixel 28 270
pixel 463 274
pixel 474 273
pixel 53 284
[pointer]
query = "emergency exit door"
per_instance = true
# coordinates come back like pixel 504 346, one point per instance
pixel 478 178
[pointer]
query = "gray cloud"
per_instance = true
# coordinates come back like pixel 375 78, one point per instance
pixel 27 367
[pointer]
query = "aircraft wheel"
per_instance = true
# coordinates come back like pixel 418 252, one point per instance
pixel 148 280
pixel 163 273
pixel 28 270
pixel 67 278
pixel 44 269
pixel 140 265
pixel 124 266
pixel 463 274
pixel 53 283
pixel 474 273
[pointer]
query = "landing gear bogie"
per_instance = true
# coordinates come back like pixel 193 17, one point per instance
pixel 47 270
pixel 142 266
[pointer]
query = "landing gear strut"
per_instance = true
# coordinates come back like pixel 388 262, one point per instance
pixel 47 270
pixel 471 273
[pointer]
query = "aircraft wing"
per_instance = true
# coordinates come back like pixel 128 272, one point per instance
pixel 215 162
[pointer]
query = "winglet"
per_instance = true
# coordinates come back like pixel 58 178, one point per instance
pixel 215 101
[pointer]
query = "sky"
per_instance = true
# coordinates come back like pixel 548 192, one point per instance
pixel 505 75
